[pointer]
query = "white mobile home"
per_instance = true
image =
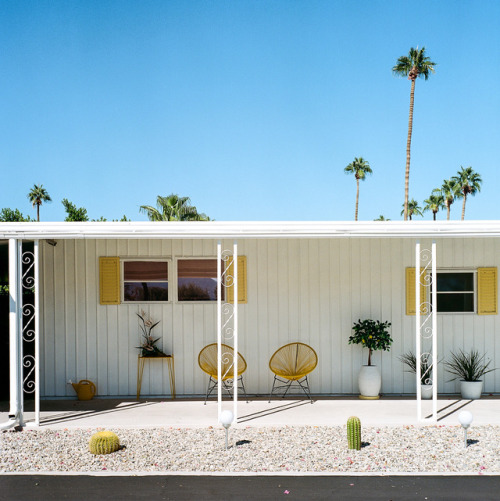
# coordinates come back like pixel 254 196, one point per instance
pixel 298 281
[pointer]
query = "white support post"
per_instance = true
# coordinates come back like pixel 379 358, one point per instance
pixel 235 325
pixel 434 332
pixel 219 329
pixel 20 330
pixel 14 358
pixel 37 333
pixel 418 353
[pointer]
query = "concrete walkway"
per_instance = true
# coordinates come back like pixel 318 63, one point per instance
pixel 125 413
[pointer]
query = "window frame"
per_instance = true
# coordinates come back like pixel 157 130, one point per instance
pixel 472 271
pixel 168 261
pixel 195 258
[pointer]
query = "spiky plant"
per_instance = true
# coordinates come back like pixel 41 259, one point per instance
pixel 104 442
pixel 468 366
pixel 354 433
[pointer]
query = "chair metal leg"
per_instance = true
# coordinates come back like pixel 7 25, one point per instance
pixel 243 388
pixel 212 382
pixel 303 383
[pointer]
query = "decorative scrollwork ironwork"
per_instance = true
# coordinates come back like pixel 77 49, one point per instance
pixel 28 327
pixel 227 279
pixel 28 279
pixel 29 363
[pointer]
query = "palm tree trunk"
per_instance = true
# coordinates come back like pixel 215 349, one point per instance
pixel 408 148
pixel 447 212
pixel 357 200
pixel 434 215
pixel 38 212
pixel 463 206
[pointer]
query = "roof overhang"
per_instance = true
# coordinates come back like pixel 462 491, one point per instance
pixel 250 229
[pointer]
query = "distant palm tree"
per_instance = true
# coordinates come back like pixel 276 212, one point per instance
pixel 360 168
pixel 173 208
pixel 450 190
pixel 381 218
pixel 415 65
pixel 434 203
pixel 470 184
pixel 38 195
pixel 413 209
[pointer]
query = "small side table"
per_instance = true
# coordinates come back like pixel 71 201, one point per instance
pixel 171 371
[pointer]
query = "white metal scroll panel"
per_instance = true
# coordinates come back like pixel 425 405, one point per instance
pixel 426 325
pixel 227 322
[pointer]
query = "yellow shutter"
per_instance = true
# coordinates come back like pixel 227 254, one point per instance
pixel 109 280
pixel 242 281
pixel 410 291
pixel 487 288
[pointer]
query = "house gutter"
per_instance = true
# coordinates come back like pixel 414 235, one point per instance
pixel 249 229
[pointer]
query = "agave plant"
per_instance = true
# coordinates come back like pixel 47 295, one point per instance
pixel 425 366
pixel 468 366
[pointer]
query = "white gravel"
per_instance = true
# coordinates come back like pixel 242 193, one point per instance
pixel 285 449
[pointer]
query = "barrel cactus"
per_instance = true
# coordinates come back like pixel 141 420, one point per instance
pixel 104 442
pixel 354 433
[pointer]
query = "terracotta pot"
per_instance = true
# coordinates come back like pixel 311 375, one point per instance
pixel 471 390
pixel 369 382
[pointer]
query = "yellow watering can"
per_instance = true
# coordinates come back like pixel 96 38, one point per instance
pixel 85 389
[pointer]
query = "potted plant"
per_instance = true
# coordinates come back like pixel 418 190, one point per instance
pixel 410 360
pixel 469 368
pixel 371 334
pixel 148 347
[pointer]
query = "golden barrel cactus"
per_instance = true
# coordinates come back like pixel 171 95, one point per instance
pixel 104 442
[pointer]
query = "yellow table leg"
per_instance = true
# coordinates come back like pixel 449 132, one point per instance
pixel 140 370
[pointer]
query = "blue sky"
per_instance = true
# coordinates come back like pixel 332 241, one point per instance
pixel 250 108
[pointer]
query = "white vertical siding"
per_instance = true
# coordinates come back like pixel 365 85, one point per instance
pixel 298 290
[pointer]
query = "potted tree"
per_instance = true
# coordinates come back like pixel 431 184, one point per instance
pixel 410 360
pixel 371 334
pixel 469 368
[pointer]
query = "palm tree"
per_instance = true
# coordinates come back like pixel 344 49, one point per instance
pixel 450 190
pixel 381 218
pixel 173 208
pixel 415 65
pixel 413 209
pixel 470 184
pixel 434 203
pixel 360 168
pixel 38 195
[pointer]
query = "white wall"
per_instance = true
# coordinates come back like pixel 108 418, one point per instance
pixel 307 290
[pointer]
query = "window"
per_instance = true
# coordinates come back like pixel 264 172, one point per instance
pixel 197 279
pixel 458 291
pixel 455 291
pixel 145 281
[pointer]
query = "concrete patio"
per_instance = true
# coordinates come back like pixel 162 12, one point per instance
pixel 181 412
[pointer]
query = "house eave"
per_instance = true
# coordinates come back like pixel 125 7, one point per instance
pixel 249 229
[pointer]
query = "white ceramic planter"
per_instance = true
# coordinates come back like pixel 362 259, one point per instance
pixel 471 390
pixel 426 391
pixel 369 382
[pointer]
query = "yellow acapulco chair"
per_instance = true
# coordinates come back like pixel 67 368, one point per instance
pixel 291 365
pixel 207 360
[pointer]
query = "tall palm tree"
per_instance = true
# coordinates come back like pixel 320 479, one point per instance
pixel 470 184
pixel 37 195
pixel 413 209
pixel 434 203
pixel 415 64
pixel 450 190
pixel 360 168
pixel 173 208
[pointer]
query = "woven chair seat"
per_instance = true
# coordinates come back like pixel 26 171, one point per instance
pixel 207 360
pixel 293 361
